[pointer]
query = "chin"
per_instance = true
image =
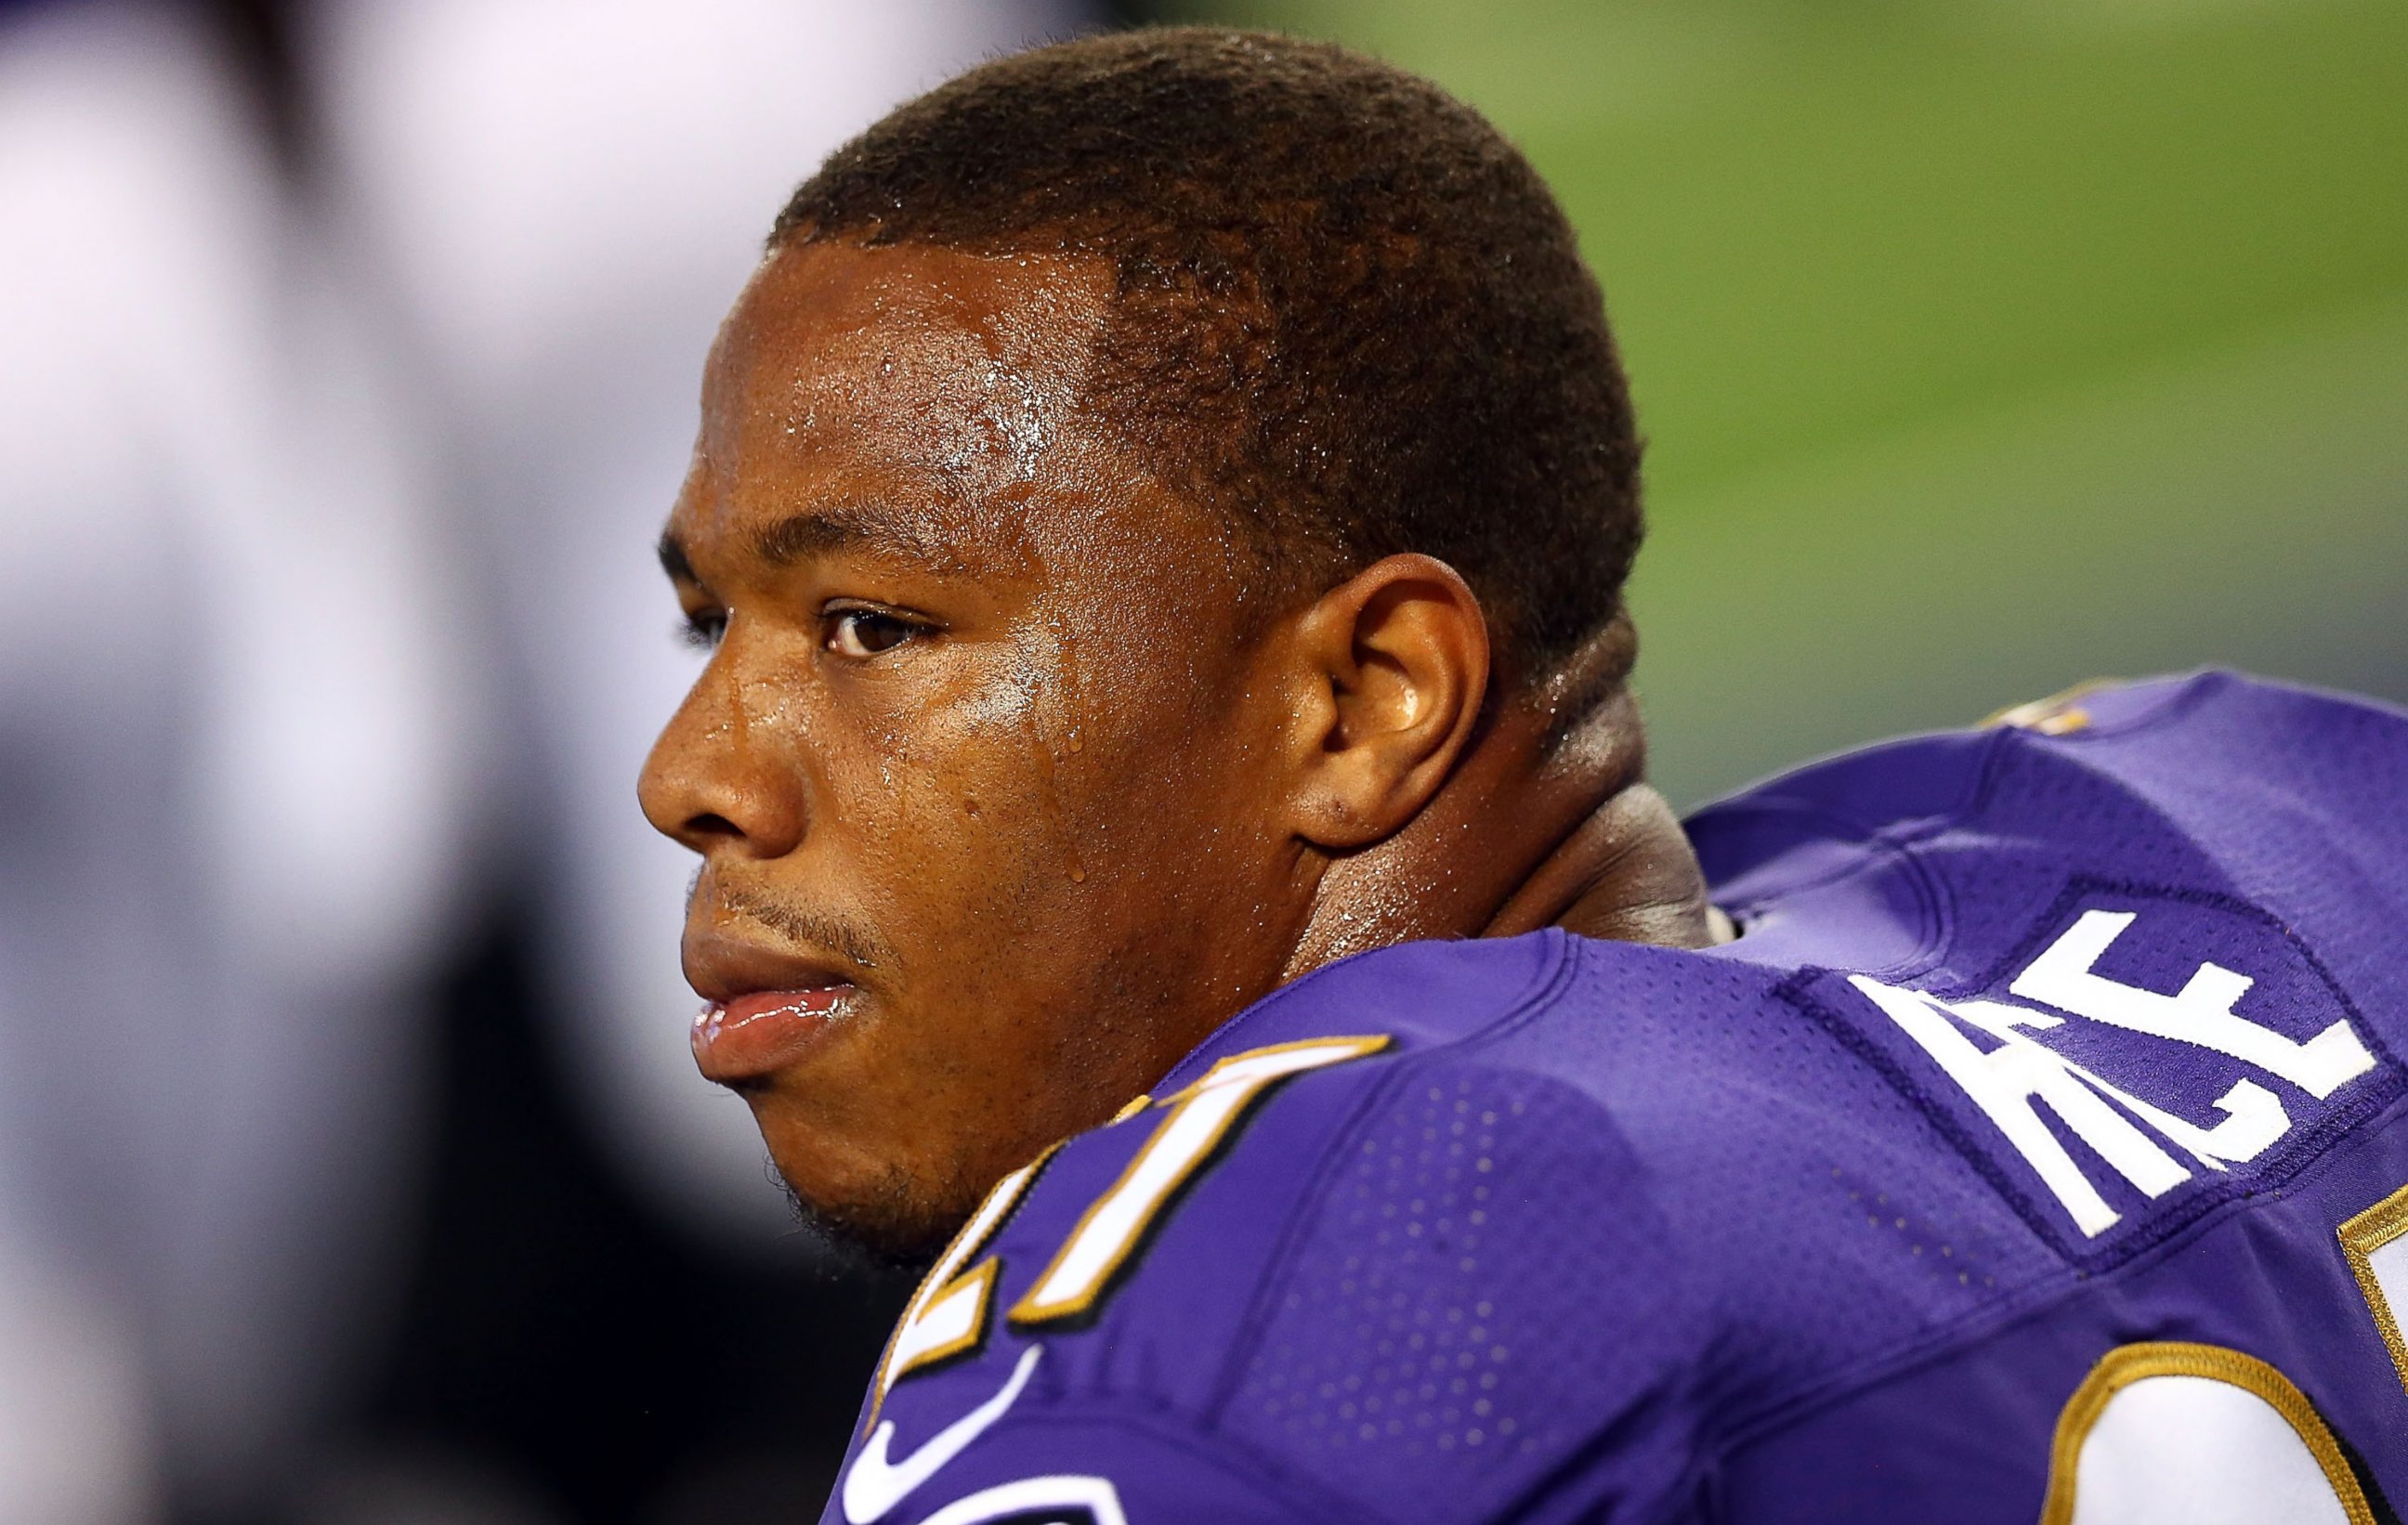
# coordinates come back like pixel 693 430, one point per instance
pixel 886 1222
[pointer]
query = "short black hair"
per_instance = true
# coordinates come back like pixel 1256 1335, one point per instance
pixel 1348 310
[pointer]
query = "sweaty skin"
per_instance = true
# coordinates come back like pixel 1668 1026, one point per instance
pixel 1011 774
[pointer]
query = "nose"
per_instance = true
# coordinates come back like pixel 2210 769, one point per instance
pixel 717 781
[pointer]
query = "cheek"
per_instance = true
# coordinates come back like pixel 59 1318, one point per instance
pixel 958 816
pixel 1159 746
pixel 1034 799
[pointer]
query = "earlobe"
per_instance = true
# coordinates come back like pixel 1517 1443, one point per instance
pixel 1393 666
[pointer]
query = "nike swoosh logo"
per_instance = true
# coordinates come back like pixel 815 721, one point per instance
pixel 873 1485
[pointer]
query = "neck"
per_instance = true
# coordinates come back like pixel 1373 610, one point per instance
pixel 1626 872
pixel 1527 834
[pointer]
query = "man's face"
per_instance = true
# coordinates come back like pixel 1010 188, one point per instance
pixel 967 768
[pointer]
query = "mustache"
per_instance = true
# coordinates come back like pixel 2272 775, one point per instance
pixel 856 945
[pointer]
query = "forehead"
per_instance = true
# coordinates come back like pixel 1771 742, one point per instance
pixel 950 381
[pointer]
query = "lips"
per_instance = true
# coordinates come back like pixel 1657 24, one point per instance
pixel 769 1007
pixel 758 1033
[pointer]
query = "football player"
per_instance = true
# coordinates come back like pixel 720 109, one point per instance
pixel 1174 847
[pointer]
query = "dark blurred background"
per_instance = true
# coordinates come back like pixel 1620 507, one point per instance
pixel 352 1171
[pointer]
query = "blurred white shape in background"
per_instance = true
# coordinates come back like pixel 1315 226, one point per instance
pixel 74 1419
pixel 232 730
pixel 568 195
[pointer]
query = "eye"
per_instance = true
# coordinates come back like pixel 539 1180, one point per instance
pixel 865 632
pixel 704 629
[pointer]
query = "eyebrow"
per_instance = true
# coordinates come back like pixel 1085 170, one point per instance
pixel 821 532
pixel 671 550
pixel 825 532
pixel 875 529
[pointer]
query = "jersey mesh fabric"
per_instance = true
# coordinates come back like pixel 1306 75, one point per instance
pixel 1442 1322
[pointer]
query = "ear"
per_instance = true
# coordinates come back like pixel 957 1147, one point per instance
pixel 1388 670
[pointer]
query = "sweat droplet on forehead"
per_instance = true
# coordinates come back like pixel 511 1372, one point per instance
pixel 938 393
pixel 918 317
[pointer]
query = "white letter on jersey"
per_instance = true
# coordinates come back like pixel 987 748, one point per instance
pixel 2201 1013
pixel 2254 1115
pixel 2006 1081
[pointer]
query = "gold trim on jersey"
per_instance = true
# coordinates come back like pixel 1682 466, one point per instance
pixel 1041 1304
pixel 2361 1237
pixel 2125 1364
pixel 981 1278
pixel 2055 716
pixel 946 1279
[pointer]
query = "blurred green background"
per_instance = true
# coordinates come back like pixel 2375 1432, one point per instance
pixel 1983 346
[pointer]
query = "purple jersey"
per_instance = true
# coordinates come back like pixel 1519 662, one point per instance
pixel 2036 1153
